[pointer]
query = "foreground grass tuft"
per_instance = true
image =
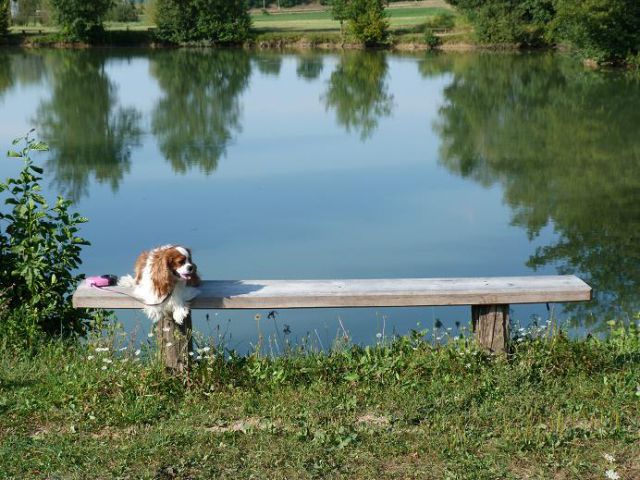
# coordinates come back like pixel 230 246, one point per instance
pixel 555 408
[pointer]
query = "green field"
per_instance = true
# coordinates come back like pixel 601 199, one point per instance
pixel 399 18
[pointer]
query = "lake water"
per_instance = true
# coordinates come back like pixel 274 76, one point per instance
pixel 355 165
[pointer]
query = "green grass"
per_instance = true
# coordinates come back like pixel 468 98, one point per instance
pixel 404 409
pixel 399 18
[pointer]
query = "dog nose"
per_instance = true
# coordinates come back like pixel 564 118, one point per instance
pixel 189 268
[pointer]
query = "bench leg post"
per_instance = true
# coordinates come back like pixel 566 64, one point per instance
pixel 491 326
pixel 174 343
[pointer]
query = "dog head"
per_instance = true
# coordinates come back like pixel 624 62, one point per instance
pixel 166 266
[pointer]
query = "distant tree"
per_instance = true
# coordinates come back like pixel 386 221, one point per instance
pixel 224 21
pixel 340 12
pixel 368 21
pixel 604 30
pixel 81 19
pixel 508 21
pixel 5 16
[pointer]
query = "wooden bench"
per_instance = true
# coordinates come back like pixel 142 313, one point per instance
pixel 488 297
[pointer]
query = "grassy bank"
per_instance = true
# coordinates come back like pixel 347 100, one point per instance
pixel 406 409
pixel 277 29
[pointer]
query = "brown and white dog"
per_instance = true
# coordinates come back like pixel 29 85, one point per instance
pixel 164 281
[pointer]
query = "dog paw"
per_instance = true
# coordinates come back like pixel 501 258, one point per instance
pixel 179 315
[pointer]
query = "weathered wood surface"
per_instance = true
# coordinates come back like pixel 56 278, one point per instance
pixel 278 294
pixel 174 343
pixel 491 326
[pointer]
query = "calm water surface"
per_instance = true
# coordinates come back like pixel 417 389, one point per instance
pixel 342 166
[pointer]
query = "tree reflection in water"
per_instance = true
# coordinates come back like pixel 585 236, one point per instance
pixel 199 112
pixel 563 144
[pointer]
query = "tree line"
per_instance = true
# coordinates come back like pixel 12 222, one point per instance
pixel 602 30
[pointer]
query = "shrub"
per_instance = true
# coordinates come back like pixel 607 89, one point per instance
pixel 5 15
pixel 39 250
pixel 431 39
pixel 368 21
pixel 508 21
pixel 81 19
pixel 605 30
pixel 224 21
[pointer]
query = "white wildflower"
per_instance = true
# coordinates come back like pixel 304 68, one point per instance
pixel 137 352
pixel 206 349
pixel 608 457
pixel 612 475
pixel 150 334
pixel 378 335
pixel 107 360
pixel 102 349
pixel 104 367
pixel 122 349
pixel 90 357
pixel 191 354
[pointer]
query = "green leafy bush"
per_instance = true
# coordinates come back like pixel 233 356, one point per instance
pixel 431 39
pixel 604 30
pixel 39 250
pixel 81 19
pixel 368 21
pixel 226 21
pixel 508 21
pixel 4 17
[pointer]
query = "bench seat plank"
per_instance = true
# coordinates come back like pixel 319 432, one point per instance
pixel 277 294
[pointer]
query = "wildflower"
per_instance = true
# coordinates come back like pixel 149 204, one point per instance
pixel 206 349
pixel 378 335
pixel 122 349
pixel 608 457
pixel 90 357
pixel 102 349
pixel 612 475
pixel 191 354
pixel 169 344
pixel 107 360
pixel 199 357
pixel 104 367
pixel 137 352
pixel 150 334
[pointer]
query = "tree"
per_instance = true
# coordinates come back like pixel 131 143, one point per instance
pixel 368 21
pixel 604 30
pixel 340 12
pixel 508 21
pixel 225 21
pixel 81 19
pixel 5 17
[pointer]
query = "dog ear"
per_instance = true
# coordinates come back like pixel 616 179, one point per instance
pixel 141 262
pixel 161 274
